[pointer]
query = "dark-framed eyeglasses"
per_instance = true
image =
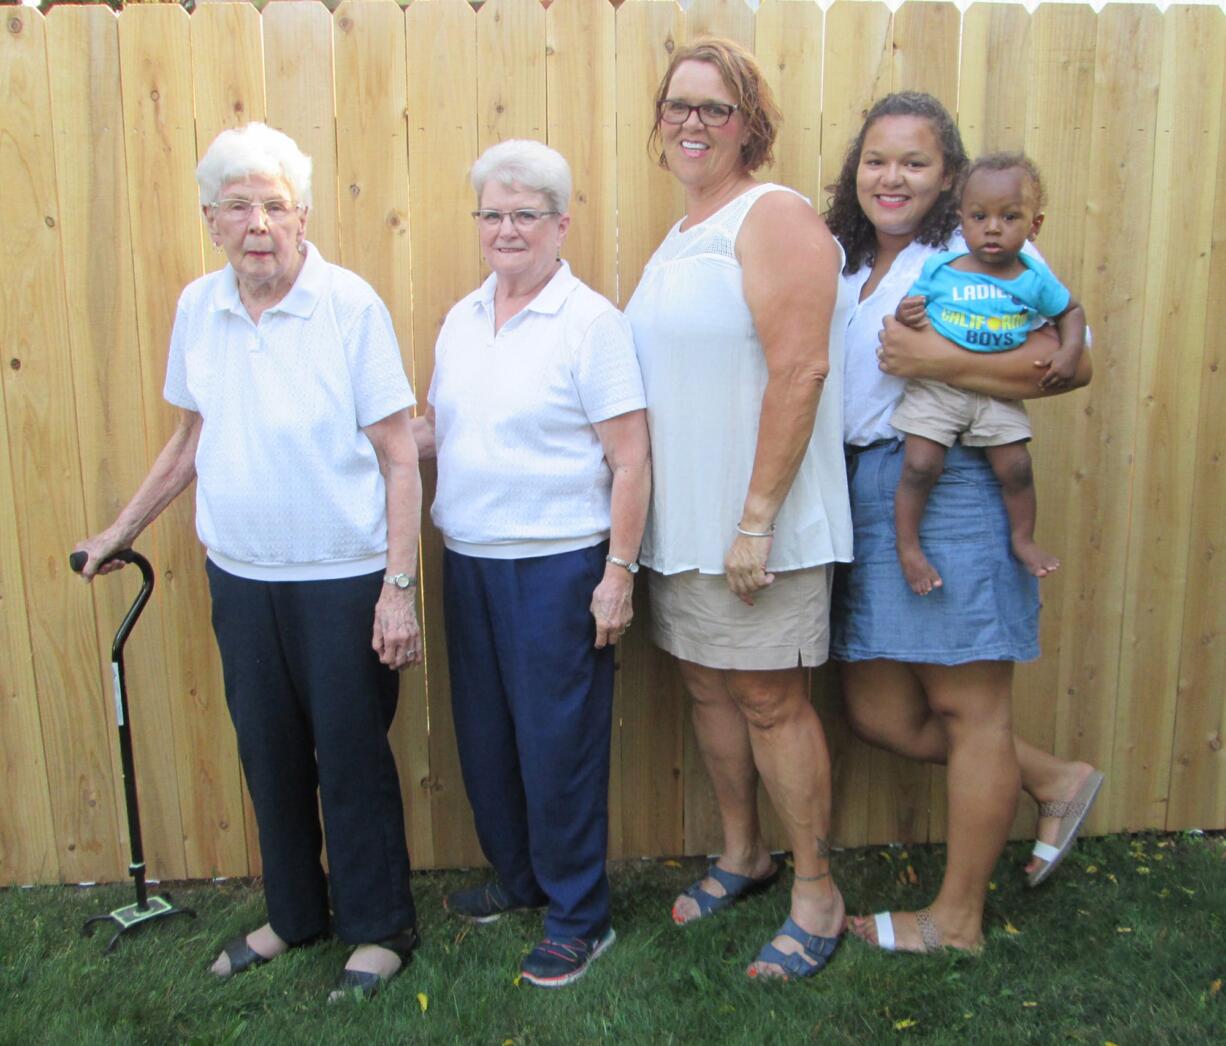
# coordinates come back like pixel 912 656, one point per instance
pixel 523 218
pixel 236 209
pixel 712 114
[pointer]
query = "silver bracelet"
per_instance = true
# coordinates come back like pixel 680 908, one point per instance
pixel 756 533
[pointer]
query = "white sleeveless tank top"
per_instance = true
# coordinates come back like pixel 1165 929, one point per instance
pixel 704 374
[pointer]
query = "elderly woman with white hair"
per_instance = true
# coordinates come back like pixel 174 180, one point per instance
pixel 536 414
pixel 295 421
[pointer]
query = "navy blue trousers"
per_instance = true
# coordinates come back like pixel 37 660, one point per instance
pixel 311 706
pixel 532 700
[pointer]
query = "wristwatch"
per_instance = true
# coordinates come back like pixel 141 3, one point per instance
pixel 401 581
pixel 629 565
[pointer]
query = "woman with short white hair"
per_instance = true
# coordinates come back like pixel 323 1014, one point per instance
pixel 294 419
pixel 536 416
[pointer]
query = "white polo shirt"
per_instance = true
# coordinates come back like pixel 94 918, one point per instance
pixel 521 471
pixel 288 485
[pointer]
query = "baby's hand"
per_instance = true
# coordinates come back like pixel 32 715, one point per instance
pixel 1059 370
pixel 911 311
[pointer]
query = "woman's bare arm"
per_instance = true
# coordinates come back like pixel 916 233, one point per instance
pixel 173 470
pixel 1014 375
pixel 791 264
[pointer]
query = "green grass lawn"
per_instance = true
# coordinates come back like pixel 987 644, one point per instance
pixel 1125 944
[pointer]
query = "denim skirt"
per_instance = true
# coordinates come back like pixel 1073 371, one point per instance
pixel 988 606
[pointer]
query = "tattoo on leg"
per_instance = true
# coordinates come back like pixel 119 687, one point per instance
pixel 823 854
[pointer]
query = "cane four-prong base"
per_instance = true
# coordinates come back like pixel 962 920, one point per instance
pixel 131 916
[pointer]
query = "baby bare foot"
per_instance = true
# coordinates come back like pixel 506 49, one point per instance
pixel 921 575
pixel 264 942
pixel 1033 558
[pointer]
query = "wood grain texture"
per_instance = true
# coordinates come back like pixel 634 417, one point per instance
pixel 511 87
pixel 1168 398
pixel 298 78
pixel 1198 762
pixel 87 113
pixel 44 454
pixel 925 55
pixel 1059 115
pixel 788 40
pixel 856 72
pixel 581 92
pixel 731 19
pixel 28 850
pixel 442 68
pixel 1113 281
pixel 995 78
pixel 159 142
pixel 649 199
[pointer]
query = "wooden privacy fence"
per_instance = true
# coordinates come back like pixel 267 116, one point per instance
pixel 102 118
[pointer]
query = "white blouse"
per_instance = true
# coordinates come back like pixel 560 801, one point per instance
pixel 704 373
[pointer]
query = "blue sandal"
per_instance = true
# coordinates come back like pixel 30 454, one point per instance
pixel 818 950
pixel 736 888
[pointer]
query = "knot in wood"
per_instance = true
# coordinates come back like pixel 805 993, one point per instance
pixel 49 222
pixel 15 363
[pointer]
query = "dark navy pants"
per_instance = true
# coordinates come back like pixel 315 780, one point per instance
pixel 532 700
pixel 312 705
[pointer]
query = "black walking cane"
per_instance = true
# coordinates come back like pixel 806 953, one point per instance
pixel 146 908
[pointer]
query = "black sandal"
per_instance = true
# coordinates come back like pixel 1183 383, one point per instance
pixel 366 985
pixel 243 957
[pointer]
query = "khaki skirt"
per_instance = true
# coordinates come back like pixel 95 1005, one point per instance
pixel 697 618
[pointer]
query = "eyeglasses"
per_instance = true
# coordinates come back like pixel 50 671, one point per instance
pixel 524 218
pixel 712 114
pixel 235 209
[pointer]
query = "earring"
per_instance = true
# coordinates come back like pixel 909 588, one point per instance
pixel 302 247
pixel 216 247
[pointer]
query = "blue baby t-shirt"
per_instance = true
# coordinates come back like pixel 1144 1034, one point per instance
pixel 984 313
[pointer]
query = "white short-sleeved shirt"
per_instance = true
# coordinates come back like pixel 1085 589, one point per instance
pixel 288 485
pixel 705 374
pixel 869 394
pixel 521 470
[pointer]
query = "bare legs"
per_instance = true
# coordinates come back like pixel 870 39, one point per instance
pixel 960 716
pixel 1011 464
pixel 923 462
pixel 887 707
pixel 751 723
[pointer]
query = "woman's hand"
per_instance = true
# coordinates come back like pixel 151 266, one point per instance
pixel 612 605
pixel 908 352
pixel 397 636
pixel 100 548
pixel 1012 375
pixel 745 566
